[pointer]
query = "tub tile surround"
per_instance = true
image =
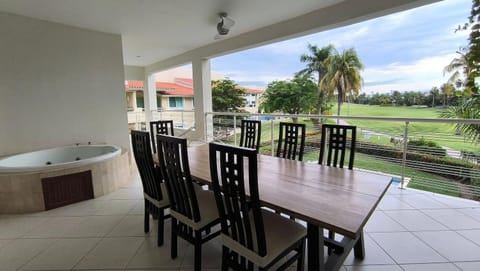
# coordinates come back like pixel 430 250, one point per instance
pixel 23 193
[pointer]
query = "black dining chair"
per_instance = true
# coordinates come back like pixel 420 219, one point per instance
pixel 160 127
pixel 154 190
pixel 251 235
pixel 334 142
pixel 291 141
pixel 193 210
pixel 251 131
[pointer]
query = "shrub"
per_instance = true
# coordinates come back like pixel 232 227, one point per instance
pixel 426 147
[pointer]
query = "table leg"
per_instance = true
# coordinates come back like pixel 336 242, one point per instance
pixel 315 248
pixel 359 248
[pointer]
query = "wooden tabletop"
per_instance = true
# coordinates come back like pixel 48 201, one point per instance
pixel 337 199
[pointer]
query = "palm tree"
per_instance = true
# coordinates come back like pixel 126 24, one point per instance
pixel 469 109
pixel 434 92
pixel 343 75
pixel 458 66
pixel 447 91
pixel 316 65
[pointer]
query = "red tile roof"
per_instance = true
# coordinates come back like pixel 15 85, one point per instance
pixel 253 90
pixel 181 87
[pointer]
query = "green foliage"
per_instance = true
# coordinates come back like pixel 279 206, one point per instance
pixel 423 143
pixel 470 109
pixel 227 96
pixel 427 147
pixel 315 62
pixel 397 153
pixel 473 55
pixel 343 75
pixel 293 97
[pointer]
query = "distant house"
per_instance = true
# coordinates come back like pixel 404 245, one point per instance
pixel 170 96
pixel 178 95
pixel 252 99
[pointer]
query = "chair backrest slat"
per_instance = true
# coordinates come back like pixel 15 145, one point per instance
pixel 251 131
pixel 160 127
pixel 291 141
pixel 236 210
pixel 149 175
pixel 335 140
pixel 173 160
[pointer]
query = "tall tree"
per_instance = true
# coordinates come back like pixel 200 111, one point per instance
pixel 473 55
pixel 343 75
pixel 470 107
pixel 458 67
pixel 434 92
pixel 293 97
pixel 227 96
pixel 447 90
pixel 315 61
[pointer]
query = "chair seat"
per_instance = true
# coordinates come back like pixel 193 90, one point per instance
pixel 207 207
pixel 280 234
pixel 159 203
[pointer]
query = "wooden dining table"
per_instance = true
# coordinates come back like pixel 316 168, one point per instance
pixel 335 199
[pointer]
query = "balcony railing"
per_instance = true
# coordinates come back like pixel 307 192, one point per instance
pixel 182 119
pixel 401 147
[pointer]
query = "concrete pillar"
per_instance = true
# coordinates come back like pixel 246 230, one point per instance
pixel 149 98
pixel 133 100
pixel 202 93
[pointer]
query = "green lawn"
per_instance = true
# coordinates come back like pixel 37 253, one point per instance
pixel 442 133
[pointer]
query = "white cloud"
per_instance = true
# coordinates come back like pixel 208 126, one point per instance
pixel 422 74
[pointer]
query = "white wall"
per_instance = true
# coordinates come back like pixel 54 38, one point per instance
pixel 59 85
pixel 182 72
pixel 134 73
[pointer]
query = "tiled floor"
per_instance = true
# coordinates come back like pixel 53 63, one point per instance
pixel 410 230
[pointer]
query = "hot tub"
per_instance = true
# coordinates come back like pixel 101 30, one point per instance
pixel 62 157
pixel 26 178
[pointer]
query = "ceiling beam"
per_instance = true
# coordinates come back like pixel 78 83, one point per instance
pixel 341 14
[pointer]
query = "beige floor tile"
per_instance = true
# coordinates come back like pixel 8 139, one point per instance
pixel 93 226
pixel 64 254
pixel 431 267
pixel 18 225
pixel 116 207
pixel 111 253
pixel 149 255
pixel 18 252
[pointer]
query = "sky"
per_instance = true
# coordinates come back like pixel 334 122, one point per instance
pixel 405 51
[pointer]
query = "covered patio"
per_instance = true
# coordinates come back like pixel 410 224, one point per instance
pixel 65 63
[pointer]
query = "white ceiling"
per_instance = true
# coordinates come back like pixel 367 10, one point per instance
pixel 153 30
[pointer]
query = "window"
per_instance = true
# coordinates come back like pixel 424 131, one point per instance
pixel 175 102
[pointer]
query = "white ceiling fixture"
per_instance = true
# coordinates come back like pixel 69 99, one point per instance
pixel 224 24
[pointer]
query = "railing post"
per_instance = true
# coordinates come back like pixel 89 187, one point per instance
pixel 404 159
pixel 205 127
pixel 235 129
pixel 271 136
pixel 182 118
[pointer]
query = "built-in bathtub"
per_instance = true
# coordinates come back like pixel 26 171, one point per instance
pixel 23 177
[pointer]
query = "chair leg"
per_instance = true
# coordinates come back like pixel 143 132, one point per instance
pixel 198 251
pixel 331 235
pixel 146 222
pixel 301 258
pixel 225 258
pixel 161 223
pixel 173 247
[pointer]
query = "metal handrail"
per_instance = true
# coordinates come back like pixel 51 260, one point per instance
pixel 403 139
